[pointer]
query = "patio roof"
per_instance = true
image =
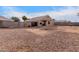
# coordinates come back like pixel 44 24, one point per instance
pixel 46 17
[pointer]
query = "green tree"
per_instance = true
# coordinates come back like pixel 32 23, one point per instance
pixel 24 18
pixel 16 19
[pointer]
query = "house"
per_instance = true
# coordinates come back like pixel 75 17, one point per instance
pixel 9 23
pixel 33 22
pixel 40 21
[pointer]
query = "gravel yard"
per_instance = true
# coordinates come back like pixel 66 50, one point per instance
pixel 61 38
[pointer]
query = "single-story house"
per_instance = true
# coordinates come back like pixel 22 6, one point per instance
pixel 9 23
pixel 33 22
pixel 40 21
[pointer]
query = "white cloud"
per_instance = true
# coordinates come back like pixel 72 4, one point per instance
pixel 68 13
pixel 12 11
pixel 17 14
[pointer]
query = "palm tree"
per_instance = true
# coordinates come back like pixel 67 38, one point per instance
pixel 16 19
pixel 24 18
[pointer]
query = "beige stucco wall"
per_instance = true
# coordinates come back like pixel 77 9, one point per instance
pixel 27 24
pixel 11 24
pixel 40 21
pixel 51 23
pixel 21 25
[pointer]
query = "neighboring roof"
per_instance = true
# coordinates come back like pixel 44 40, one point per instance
pixel 5 19
pixel 46 17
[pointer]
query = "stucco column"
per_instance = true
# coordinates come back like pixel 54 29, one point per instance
pixel 47 23
pixel 39 25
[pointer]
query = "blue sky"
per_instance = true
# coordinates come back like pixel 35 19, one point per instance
pixel 57 12
pixel 33 8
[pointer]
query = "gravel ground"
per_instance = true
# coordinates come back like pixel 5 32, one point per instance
pixel 54 39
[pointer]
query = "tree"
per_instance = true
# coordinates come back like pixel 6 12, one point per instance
pixel 16 19
pixel 24 18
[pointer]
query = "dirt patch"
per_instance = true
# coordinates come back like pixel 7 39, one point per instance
pixel 61 38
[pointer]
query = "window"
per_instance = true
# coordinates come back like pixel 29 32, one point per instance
pixel 34 24
pixel 48 22
pixel 40 23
